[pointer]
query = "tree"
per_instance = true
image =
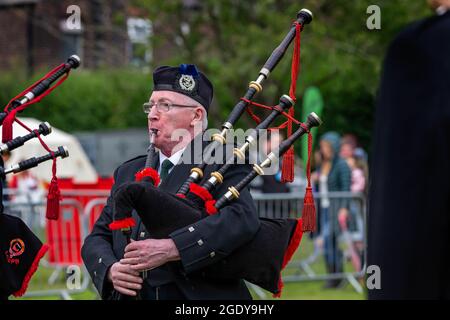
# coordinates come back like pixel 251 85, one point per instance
pixel 230 41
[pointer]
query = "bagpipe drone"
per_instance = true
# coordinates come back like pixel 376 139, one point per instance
pixel 20 249
pixel 261 260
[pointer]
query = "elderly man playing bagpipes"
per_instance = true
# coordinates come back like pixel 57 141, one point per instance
pixel 173 105
pixel 180 226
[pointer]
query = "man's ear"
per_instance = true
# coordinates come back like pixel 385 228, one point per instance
pixel 197 116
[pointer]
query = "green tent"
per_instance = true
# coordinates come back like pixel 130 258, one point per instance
pixel 312 102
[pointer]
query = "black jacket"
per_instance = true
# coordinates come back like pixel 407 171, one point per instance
pixel 221 233
pixel 409 216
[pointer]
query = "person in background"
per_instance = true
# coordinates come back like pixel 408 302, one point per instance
pixel 28 194
pixel 332 175
pixel 358 166
pixel 347 150
pixel 355 224
pixel 272 183
pixel 349 142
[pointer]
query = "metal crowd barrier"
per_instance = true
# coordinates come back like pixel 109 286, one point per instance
pixel 80 209
pixel 308 264
pixel 61 272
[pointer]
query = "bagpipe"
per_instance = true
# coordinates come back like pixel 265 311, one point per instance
pixel 20 249
pixel 260 260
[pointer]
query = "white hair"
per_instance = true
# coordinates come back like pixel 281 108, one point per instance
pixel 204 118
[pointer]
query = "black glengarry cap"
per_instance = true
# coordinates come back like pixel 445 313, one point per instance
pixel 185 79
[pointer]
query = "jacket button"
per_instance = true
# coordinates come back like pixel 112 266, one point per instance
pixel 142 234
pixel 191 229
pixel 95 273
pixel 200 242
pixel 100 260
pixel 212 254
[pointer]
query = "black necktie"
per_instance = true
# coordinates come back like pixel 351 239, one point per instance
pixel 165 167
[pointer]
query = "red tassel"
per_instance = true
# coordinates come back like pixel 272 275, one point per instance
pixel 148 172
pixel 180 195
pixel 287 168
pixel 122 224
pixel 7 130
pixel 53 198
pixel 309 208
pixel 309 211
pixel 295 64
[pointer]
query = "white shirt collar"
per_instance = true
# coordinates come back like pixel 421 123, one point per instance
pixel 441 10
pixel 174 158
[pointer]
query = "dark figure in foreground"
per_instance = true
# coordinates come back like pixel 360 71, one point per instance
pixel 409 214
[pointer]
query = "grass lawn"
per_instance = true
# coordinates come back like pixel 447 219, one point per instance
pixel 304 290
pixel 312 290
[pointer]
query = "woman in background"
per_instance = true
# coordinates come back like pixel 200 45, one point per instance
pixel 332 175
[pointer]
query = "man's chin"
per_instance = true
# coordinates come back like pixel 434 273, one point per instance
pixel 159 144
pixel 164 145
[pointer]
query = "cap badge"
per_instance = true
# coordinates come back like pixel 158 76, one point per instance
pixel 187 82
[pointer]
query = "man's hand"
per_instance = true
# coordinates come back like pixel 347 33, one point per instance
pixel 149 254
pixel 124 279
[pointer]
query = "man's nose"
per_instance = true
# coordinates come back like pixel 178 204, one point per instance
pixel 153 114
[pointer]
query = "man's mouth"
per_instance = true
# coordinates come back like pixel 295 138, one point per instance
pixel 155 131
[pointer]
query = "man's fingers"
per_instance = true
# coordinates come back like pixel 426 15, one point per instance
pixel 141 267
pixel 131 254
pixel 130 261
pixel 130 277
pixel 132 246
pixel 125 291
pixel 125 268
pixel 128 285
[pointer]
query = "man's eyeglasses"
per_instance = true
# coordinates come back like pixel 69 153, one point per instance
pixel 162 106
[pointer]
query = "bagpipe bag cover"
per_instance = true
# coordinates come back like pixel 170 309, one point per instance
pixel 20 252
pixel 259 261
